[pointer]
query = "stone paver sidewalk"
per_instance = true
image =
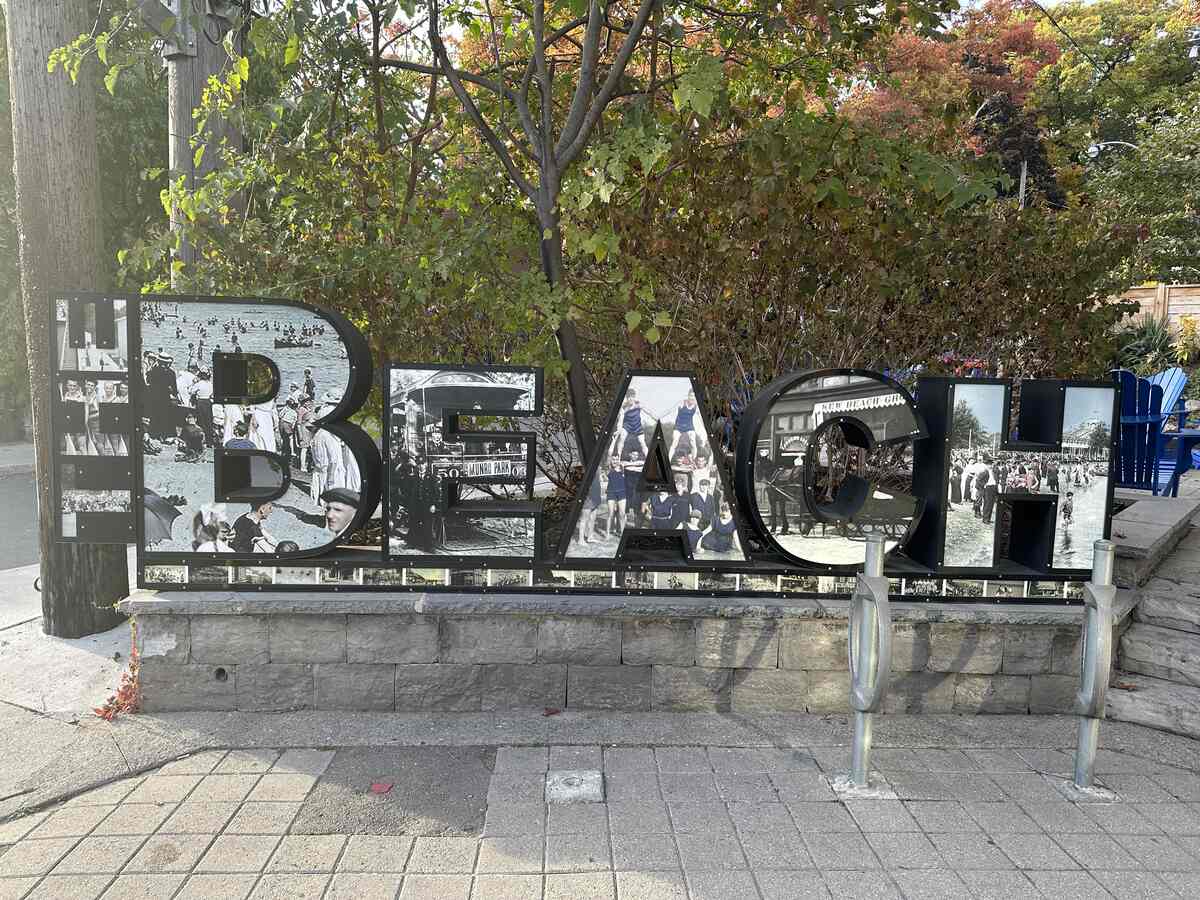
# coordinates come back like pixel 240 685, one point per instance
pixel 678 822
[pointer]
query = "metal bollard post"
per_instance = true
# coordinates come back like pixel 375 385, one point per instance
pixel 870 651
pixel 1095 660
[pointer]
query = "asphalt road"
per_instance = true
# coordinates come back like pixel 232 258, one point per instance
pixel 18 521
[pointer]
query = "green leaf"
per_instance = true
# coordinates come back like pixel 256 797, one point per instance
pixel 662 319
pixel 198 156
pixel 243 67
pixel 102 47
pixel 260 35
pixel 699 86
pixel 110 79
pixel 653 334
pixel 633 318
pixel 291 52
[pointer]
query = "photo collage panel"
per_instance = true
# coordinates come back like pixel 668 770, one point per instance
pixel 184 426
pixel 425 463
pixel 982 475
pixel 657 470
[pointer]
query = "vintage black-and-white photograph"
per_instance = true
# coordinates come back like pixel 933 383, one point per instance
pixel 1045 590
pixel 75 500
pixel 553 578
pixel 976 434
pixel 423 519
pixel 342 575
pixel 510 578
pixel 798 584
pixel 858 492
pixel 253 575
pixel 593 579
pixel 83 414
pixel 981 475
pixel 718 581
pixel 1007 589
pixel 184 427
pixel 164 574
pixel 759 583
pixel 468 578
pixel 383 576
pixel 676 581
pixel 422 577
pixel 210 574
pixel 630 580
pixel 295 575
pixel 658 471
pixel 961 587
pixel 90 357
pixel 1081 480
pixel 923 587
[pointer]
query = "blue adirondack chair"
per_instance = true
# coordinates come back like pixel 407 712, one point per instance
pixel 1148 458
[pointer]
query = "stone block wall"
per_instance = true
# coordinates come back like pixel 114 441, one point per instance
pixel 775 660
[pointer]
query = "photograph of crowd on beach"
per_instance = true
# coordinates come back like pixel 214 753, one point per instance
pixel 89 357
pixel 423 460
pixel 183 427
pixel 658 407
pixel 800 439
pixel 981 474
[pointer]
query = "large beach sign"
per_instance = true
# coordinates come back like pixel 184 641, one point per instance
pixel 229 440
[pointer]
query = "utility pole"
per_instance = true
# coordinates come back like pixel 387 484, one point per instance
pixel 193 34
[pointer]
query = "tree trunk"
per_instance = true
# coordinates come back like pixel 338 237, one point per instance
pixel 58 220
pixel 568 337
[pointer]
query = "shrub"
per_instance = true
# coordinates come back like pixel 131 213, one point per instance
pixel 1146 346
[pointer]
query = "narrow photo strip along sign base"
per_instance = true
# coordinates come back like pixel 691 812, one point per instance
pixel 216 435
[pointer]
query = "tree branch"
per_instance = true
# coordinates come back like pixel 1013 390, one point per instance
pixel 554 37
pixel 456 84
pixel 610 85
pixel 414 166
pixel 403 32
pixel 498 89
pixel 543 73
pixel 587 75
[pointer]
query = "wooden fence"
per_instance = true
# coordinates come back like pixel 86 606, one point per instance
pixel 1167 301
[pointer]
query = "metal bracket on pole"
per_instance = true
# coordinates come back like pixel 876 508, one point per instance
pixel 175 22
pixel 171 25
pixel 1095 661
pixel 870 652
